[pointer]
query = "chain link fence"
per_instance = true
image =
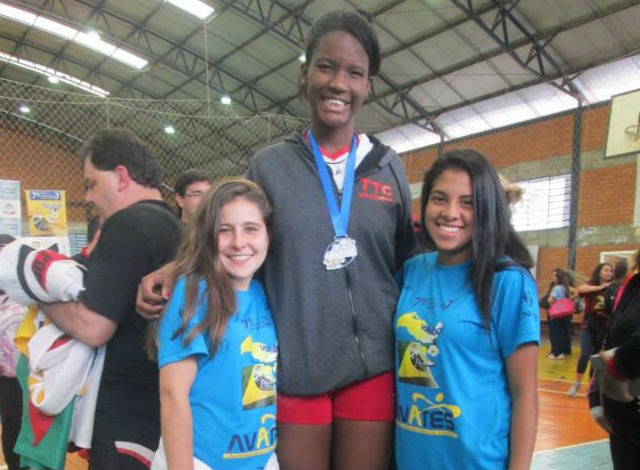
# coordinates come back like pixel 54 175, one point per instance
pixel 42 129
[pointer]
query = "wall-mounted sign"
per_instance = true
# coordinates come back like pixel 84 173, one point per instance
pixel 47 211
pixel 10 208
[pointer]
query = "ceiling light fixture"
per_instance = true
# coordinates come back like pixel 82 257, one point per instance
pixel 169 129
pixel 53 75
pixel 24 109
pixel 225 99
pixel 194 7
pixel 93 35
pixel 302 58
pixel 91 40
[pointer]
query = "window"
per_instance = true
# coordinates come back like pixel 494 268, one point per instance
pixel 545 204
pixel 77 241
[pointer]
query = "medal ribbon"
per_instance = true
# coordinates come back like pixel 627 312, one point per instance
pixel 339 217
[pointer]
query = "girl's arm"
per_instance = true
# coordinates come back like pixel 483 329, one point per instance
pixel 586 288
pixel 175 412
pixel 522 377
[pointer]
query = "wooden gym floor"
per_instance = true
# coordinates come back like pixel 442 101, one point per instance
pixel 568 439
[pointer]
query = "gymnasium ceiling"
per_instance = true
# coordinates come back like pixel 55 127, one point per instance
pixel 448 65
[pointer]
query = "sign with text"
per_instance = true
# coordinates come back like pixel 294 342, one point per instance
pixel 47 211
pixel 10 208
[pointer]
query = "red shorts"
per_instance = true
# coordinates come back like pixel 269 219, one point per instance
pixel 368 400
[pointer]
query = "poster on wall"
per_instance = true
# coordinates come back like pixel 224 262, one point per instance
pixel 623 135
pixel 612 257
pixel 47 212
pixel 10 208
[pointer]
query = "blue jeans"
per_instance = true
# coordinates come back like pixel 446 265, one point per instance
pixel 590 343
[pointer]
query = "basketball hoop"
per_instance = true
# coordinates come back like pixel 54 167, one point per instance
pixel 632 132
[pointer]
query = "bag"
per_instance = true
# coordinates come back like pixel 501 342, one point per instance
pixel 544 302
pixel 561 308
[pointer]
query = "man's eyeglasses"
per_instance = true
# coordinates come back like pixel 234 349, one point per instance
pixel 194 194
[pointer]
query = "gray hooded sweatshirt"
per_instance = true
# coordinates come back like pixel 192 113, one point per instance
pixel 334 327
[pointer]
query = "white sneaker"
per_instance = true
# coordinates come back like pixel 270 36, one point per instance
pixel 553 358
pixel 573 390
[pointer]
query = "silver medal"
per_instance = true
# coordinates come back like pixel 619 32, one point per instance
pixel 340 253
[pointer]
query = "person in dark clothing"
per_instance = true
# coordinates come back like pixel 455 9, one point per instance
pixel 94 228
pixel 617 384
pixel 594 322
pixel 619 275
pixel 140 234
pixel 559 328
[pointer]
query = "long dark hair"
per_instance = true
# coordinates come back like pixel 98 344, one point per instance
pixel 594 280
pixel 198 258
pixel 493 235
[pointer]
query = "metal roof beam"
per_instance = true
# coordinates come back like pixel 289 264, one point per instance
pixel 145 42
pixel 288 27
pixel 506 19
pixel 540 36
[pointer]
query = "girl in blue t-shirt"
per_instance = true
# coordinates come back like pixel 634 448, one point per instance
pixel 217 346
pixel 560 328
pixel 467 328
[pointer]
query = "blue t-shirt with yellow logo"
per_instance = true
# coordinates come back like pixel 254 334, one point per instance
pixel 453 402
pixel 233 396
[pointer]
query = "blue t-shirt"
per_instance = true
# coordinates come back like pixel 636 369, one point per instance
pixel 558 292
pixel 233 396
pixel 453 402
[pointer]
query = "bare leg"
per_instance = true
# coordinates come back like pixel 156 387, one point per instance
pixel 304 447
pixel 365 445
pixel 575 386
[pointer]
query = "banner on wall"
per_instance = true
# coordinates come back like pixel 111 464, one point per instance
pixel 47 212
pixel 10 208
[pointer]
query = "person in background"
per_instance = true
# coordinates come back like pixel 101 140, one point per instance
pixel 217 340
pixel 619 276
pixel 11 315
pixel 560 328
pixel 467 328
pixel 544 299
pixel 191 186
pixel 140 233
pixel 579 303
pixel 342 230
pixel 594 322
pixel 513 192
pixel 614 403
pixel 93 235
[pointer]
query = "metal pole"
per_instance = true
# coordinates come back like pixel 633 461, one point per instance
pixel 575 187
